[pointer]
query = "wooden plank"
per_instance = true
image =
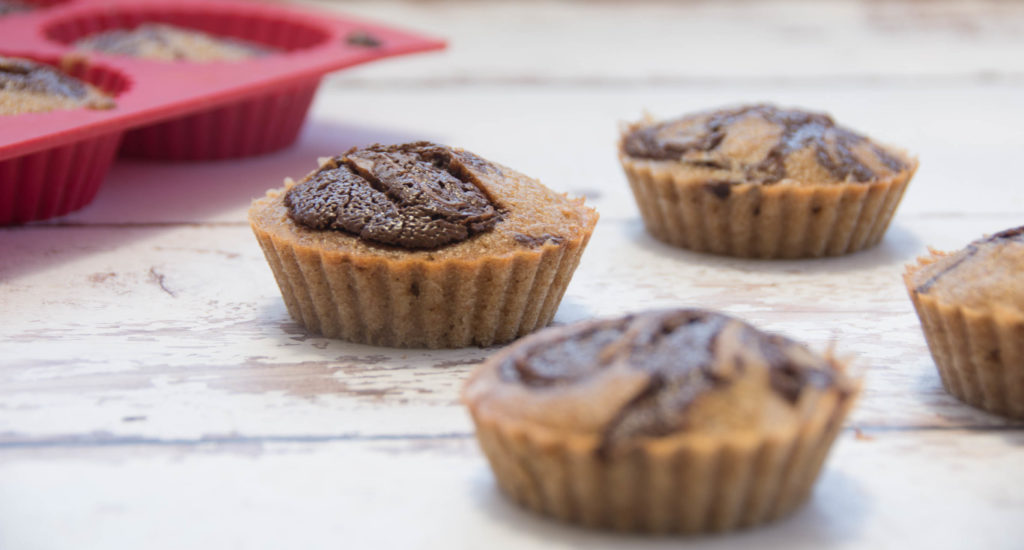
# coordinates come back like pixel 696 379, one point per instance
pixel 179 332
pixel 735 40
pixel 885 490
pixel 182 324
pixel 150 377
pixel 566 136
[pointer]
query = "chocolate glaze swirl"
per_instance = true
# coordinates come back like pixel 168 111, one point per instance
pixel 680 353
pixel 416 195
pixel 698 139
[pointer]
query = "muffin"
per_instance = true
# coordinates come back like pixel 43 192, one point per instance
pixel 971 306
pixel 30 87
pixel 162 42
pixel 665 421
pixel 420 245
pixel 762 181
pixel 13 6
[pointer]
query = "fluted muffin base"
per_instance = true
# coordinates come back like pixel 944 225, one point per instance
pixel 689 483
pixel 781 220
pixel 428 304
pixel 979 354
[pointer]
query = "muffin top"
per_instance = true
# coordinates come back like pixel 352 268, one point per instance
pixel 422 201
pixel 30 87
pixel 162 42
pixel 656 374
pixel 764 144
pixel 414 195
pixel 988 272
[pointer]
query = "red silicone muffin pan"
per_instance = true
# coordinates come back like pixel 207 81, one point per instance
pixel 53 163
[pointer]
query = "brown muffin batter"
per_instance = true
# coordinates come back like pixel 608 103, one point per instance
pixel 416 195
pixel 30 87
pixel 988 272
pixel 656 374
pixel 162 42
pixel 764 144
pixel 13 6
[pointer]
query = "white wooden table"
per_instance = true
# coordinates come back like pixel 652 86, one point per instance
pixel 155 394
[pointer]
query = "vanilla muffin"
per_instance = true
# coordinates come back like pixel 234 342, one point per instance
pixel 30 87
pixel 971 306
pixel 762 181
pixel 665 421
pixel 421 245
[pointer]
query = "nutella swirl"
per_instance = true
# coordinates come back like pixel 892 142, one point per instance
pixel 417 196
pixel 762 143
pixel 683 354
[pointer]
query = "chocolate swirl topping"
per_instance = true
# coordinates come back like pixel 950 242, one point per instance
pixel 22 75
pixel 713 139
pixel 683 356
pixel 416 195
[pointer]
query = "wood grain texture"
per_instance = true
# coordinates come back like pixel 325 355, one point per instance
pixel 180 333
pixel 566 136
pixel 889 490
pixel 695 41
pixel 154 392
